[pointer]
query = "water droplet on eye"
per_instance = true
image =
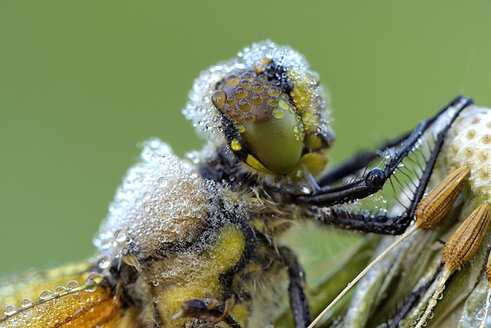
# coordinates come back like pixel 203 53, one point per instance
pixel 231 101
pixel 257 88
pixel 283 104
pixel 10 309
pixel 245 84
pixel 104 262
pixel 274 91
pixel 59 290
pixel 26 302
pixel 230 110
pixel 72 284
pixel 273 102
pixel 244 105
pixel 278 113
pixel 257 99
pixel 238 115
pixel 240 93
pixel 219 98
pixel 45 294
pixel 232 80
pixel 249 118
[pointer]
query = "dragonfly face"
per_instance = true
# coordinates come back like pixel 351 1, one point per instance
pixel 196 243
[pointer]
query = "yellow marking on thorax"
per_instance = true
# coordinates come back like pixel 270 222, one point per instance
pixel 240 313
pixel 221 257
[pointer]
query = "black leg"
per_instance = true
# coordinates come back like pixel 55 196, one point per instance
pixel 208 310
pixel 296 290
pixel 374 180
pixel 380 224
pixel 383 224
pixel 357 163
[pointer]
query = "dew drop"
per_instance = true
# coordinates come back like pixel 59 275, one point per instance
pixel 45 294
pixel 59 290
pixel 94 276
pixel 274 91
pixel 26 302
pixel 257 99
pixel 104 262
pixel 257 88
pixel 278 113
pixel 283 104
pixel 272 102
pixel 240 93
pixel 219 98
pixel 92 286
pixel 245 84
pixel 480 314
pixel 10 309
pixel 250 117
pixel 120 236
pixel 72 284
pixel 232 80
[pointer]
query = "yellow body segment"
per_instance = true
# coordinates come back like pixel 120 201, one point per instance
pixel 221 257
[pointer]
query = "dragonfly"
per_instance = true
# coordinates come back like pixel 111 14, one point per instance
pixel 197 242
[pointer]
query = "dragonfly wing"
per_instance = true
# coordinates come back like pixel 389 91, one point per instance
pixel 89 304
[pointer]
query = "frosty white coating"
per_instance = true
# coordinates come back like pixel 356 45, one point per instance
pixel 206 118
pixel 162 200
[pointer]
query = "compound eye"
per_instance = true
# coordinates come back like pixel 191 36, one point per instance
pixel 275 142
pixel 269 126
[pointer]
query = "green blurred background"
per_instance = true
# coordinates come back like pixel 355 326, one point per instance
pixel 83 83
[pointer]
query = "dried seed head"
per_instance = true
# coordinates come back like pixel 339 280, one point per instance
pixel 459 250
pixel 437 204
pixel 464 242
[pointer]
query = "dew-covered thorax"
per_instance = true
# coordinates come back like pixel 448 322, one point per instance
pixel 162 202
pixel 179 231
